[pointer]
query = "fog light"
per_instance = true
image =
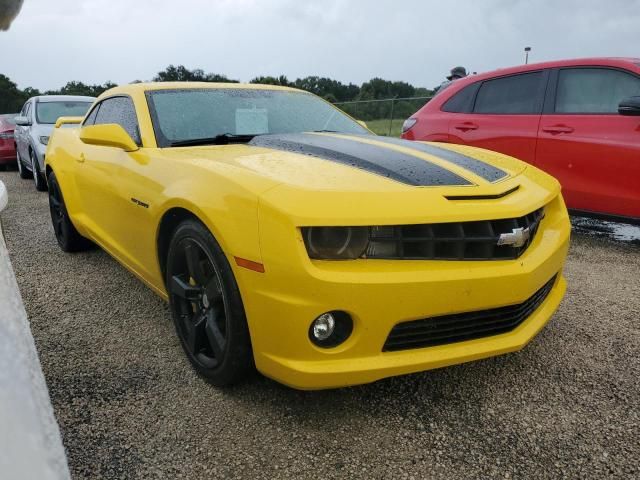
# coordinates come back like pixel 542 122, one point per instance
pixel 331 329
pixel 323 326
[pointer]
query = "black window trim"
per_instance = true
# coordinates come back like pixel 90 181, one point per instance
pixel 95 108
pixel 552 91
pixel 135 112
pixel 544 87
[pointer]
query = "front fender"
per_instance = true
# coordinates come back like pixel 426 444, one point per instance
pixel 231 216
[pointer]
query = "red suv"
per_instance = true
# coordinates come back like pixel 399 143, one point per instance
pixel 7 143
pixel 579 120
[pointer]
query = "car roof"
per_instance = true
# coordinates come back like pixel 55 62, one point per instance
pixel 590 61
pixel 62 98
pixel 153 86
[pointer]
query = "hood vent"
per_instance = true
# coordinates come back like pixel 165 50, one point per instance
pixel 482 197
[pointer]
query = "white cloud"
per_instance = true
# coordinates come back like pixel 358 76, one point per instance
pixel 52 42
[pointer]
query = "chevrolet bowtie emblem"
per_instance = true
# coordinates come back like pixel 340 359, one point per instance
pixel 517 238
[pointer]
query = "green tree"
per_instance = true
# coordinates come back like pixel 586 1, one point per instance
pixel 11 97
pixel 183 74
pixel 75 87
pixel 323 87
pixel 378 88
pixel 281 80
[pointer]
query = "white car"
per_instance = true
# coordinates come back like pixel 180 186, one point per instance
pixel 34 125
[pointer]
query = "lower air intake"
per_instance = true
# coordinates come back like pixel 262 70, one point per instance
pixel 429 332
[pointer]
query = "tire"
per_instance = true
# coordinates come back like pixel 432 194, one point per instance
pixel 68 237
pixel 38 179
pixel 206 306
pixel 22 171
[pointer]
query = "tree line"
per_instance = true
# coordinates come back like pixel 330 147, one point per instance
pixel 12 98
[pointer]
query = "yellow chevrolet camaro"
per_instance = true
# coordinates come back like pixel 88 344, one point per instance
pixel 285 235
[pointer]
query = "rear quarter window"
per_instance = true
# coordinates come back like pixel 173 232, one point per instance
pixel 462 101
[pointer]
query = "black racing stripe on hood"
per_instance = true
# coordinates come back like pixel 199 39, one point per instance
pixel 371 158
pixel 480 168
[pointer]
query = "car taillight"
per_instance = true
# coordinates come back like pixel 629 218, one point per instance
pixel 6 135
pixel 408 124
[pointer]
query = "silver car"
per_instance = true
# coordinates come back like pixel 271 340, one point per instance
pixel 34 126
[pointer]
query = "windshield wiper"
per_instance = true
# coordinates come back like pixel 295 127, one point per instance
pixel 325 131
pixel 222 139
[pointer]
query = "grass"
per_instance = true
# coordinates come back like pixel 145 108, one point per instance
pixel 381 127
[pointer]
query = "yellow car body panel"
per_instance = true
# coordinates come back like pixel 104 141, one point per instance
pixel 255 200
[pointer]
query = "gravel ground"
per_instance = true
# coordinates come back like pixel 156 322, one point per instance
pixel 129 406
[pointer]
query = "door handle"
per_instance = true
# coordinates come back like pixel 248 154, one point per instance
pixel 555 129
pixel 466 126
pixel 81 158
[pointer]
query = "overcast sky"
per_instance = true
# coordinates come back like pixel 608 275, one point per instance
pixel 53 41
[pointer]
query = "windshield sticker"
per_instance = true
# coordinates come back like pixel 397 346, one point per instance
pixel 250 121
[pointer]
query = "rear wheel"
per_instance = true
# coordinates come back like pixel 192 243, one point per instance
pixel 68 237
pixel 38 179
pixel 22 171
pixel 206 306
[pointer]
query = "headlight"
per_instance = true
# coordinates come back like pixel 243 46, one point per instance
pixel 408 124
pixel 44 140
pixel 336 243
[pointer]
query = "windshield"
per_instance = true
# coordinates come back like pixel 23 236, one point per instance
pixel 191 114
pixel 49 112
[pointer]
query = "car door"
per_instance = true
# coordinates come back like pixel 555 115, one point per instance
pixel 587 145
pixel 504 116
pixel 104 185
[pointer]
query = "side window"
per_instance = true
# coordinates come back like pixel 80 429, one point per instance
pixel 27 111
pixel 119 110
pixel 593 90
pixel 91 118
pixel 517 94
pixel 461 102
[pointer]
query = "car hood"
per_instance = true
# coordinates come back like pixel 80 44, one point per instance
pixel 363 162
pixel 355 176
pixel 42 129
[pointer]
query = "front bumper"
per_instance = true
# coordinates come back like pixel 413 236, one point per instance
pixel 282 302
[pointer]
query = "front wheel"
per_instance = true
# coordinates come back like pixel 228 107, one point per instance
pixel 68 237
pixel 206 306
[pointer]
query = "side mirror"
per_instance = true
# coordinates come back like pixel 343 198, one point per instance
pixel 108 135
pixel 363 123
pixel 22 121
pixel 629 106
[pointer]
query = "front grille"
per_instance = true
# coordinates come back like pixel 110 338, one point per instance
pixel 429 332
pixel 452 241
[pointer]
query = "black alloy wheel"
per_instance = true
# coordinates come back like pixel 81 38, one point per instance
pixel 206 306
pixel 66 234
